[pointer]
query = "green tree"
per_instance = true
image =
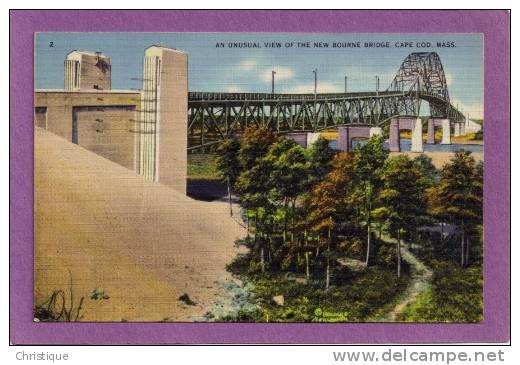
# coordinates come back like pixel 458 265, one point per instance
pixel 429 180
pixel 430 175
pixel 478 192
pixel 253 148
pixel 370 159
pixel 228 165
pixel 288 177
pixel 458 197
pixel 254 186
pixel 402 198
pixel 320 158
pixel 255 144
pixel 327 203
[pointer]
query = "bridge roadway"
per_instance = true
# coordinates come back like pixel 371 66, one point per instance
pixel 218 97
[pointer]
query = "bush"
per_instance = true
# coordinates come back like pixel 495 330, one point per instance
pixel 455 296
pixel 352 297
pixel 59 307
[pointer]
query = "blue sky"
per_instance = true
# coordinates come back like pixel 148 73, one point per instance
pixel 249 69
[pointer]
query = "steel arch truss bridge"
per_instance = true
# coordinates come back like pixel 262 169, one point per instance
pixel 213 117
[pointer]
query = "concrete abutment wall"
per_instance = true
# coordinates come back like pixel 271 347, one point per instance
pixel 162 128
pixel 142 131
pixel 347 134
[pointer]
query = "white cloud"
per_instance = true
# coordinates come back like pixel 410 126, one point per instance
pixel 323 87
pixel 234 89
pixel 282 73
pixel 475 110
pixel 246 65
pixel 449 79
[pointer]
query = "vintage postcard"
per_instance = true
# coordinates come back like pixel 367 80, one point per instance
pixel 258 177
pixel 327 179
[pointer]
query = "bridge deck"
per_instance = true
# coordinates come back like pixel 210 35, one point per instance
pixel 218 96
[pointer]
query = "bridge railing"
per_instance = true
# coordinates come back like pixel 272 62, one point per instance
pixel 216 96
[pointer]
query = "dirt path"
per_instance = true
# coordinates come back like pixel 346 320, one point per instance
pixel 420 281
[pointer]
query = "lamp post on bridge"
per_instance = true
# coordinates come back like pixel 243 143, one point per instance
pixel 346 80
pixel 273 72
pixel 315 90
pixel 461 126
pixel 315 81
pixel 377 94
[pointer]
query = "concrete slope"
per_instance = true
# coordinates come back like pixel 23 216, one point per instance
pixel 139 242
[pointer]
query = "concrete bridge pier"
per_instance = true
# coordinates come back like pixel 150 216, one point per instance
pixel 304 139
pixel 395 139
pixel 298 137
pixel 457 129
pixel 311 138
pixel 348 133
pixel 375 131
pixel 343 139
pixel 446 132
pixel 412 124
pixel 431 132
pixel 417 142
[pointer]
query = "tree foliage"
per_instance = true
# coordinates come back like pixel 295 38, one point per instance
pixel 255 144
pixel 308 210
pixel 370 160
pixel 328 203
pixel 458 197
pixel 403 198
pixel 320 158
pixel 228 165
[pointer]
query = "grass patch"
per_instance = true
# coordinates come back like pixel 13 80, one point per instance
pixel 470 137
pixel 455 296
pixel 414 311
pixel 201 166
pixel 329 134
pixel 353 296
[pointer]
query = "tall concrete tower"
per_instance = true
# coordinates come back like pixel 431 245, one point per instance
pixel 163 129
pixel 87 71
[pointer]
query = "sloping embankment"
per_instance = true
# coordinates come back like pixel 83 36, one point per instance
pixel 139 242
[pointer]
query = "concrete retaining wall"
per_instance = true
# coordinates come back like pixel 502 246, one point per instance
pixel 102 122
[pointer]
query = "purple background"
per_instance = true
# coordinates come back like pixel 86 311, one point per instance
pixel 493 24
